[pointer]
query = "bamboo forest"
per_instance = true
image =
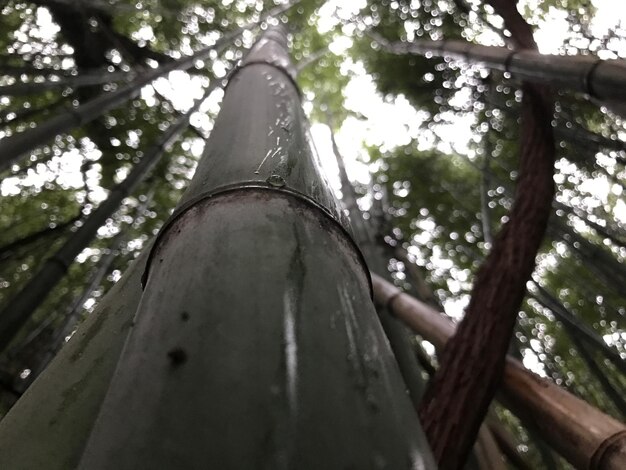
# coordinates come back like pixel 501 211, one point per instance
pixel 312 234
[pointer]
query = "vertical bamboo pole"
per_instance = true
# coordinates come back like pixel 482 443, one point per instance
pixel 256 344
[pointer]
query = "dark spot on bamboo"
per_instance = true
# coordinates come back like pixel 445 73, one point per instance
pixel 184 316
pixel 177 356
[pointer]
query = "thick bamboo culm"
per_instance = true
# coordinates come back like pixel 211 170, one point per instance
pixel 267 397
pixel 582 434
pixel 601 79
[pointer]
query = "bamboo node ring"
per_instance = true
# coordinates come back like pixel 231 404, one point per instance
pixel 587 77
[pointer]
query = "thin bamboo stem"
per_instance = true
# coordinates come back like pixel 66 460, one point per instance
pixel 546 299
pixel 29 88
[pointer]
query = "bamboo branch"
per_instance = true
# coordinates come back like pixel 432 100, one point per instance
pixel 394 331
pixel 312 58
pixel 564 315
pixel 7 250
pixel 609 390
pixel 615 235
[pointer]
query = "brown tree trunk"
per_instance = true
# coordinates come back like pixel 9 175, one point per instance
pixel 473 361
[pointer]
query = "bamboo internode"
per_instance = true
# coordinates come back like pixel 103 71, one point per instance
pixel 584 435
pixel 601 79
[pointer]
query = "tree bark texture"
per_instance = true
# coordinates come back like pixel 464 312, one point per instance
pixel 472 363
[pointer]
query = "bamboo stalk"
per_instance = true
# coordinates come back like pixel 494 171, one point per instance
pixel 602 79
pixel 507 445
pixel 586 437
pixel 487 452
pixel 375 257
pixel 248 281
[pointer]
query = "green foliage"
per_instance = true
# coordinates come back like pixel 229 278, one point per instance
pixel 427 83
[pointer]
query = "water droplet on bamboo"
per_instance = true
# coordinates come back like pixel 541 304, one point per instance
pixel 276 181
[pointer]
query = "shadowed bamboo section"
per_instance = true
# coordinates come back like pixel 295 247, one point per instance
pixel 601 79
pixel 586 437
pixel 487 450
pixel 58 410
pixel 374 253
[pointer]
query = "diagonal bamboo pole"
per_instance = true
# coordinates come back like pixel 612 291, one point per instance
pixel 601 79
pixel 586 437
pixel 59 408
pixel 375 257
